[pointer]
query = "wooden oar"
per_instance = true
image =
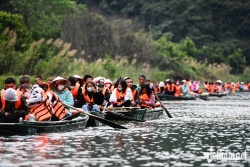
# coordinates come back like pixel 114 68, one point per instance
pixel 104 121
pixel 166 110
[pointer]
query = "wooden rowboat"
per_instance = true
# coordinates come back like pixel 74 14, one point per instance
pixel 163 97
pixel 31 128
pixel 219 94
pixel 134 114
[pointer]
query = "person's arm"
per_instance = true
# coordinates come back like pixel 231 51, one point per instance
pixel 136 98
pixel 113 98
pixel 69 98
pixel 128 95
pixel 151 102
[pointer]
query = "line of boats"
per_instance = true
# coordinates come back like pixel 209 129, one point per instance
pixel 115 118
pixel 204 96
pixel 79 121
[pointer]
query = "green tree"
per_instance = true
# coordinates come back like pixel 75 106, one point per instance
pixel 15 24
pixel 237 62
pixel 43 17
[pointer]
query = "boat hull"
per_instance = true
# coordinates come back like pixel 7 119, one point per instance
pixel 135 114
pixel 31 128
pixel 163 97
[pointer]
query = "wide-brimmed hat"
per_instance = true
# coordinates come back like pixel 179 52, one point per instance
pixel 219 81
pixel 107 81
pixel 78 77
pixel 58 78
pixel 97 79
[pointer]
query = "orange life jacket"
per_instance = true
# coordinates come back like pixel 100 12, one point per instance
pixel 171 88
pixel 74 91
pixel 88 100
pixel 178 91
pixel 42 111
pixel 18 103
pixel 145 98
pixel 118 95
pixel 211 88
pixel 59 110
pixel 133 94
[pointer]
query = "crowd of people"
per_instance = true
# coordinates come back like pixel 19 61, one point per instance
pixel 44 100
pixel 192 88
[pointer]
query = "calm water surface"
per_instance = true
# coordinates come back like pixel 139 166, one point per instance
pixel 220 125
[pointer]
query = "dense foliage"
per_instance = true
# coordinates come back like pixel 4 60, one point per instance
pixel 175 38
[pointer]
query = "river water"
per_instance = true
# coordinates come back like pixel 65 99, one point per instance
pixel 200 134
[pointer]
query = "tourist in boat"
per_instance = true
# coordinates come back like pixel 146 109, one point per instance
pixel 92 99
pixel 178 88
pixel 142 80
pixel 107 90
pixel 12 106
pixel 171 88
pixel 185 89
pixel 218 86
pixel 26 91
pixel 161 87
pixel 79 80
pixel 24 79
pixel 122 95
pixel 58 86
pixel 59 111
pixel 10 83
pixel 40 108
pixel 147 97
pixel 38 80
pixel 242 86
pixel 86 79
pixel 135 94
pixel 76 91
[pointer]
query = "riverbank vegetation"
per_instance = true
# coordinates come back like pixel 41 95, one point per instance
pixel 177 39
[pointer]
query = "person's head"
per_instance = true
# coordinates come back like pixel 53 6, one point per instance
pixel 78 79
pixel 24 79
pixel 38 80
pixel 45 86
pixel 26 89
pixel 10 83
pixel 129 82
pixel 59 83
pixel 145 89
pixel 184 82
pixel 107 83
pixel 10 95
pixel 142 79
pixel 72 82
pixel 87 78
pixel 100 87
pixel 121 84
pixel 90 85
pixel 218 82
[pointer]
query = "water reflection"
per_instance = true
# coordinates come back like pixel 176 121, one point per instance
pixel 198 126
